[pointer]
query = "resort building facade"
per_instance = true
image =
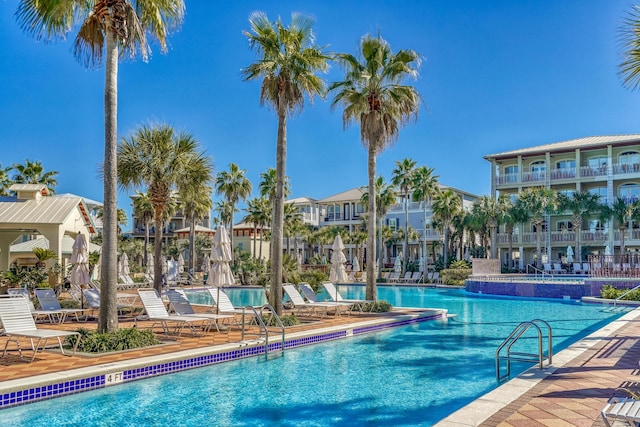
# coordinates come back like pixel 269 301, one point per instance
pixel 608 166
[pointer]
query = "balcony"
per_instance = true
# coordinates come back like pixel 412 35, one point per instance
pixel 510 178
pixel 560 174
pixel 626 168
pixel 533 176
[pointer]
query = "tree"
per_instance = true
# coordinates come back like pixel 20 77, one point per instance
pixel 373 96
pixel 516 214
pixel 5 180
pixel 259 214
pixel 164 162
pixel 425 187
pixel 143 210
pixel 402 177
pixel 226 211
pixel 33 173
pixel 492 211
pixel 196 204
pixel 288 63
pixel 538 202
pixel 386 197
pixel 234 186
pixel 581 205
pixel 121 215
pixel 630 47
pixel 109 29
pixel 446 205
pixel 622 213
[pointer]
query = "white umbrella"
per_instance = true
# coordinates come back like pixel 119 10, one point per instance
pixel 150 264
pixel 180 263
pixel 165 265
pixel 125 264
pixel 80 260
pixel 569 254
pixel 338 273
pixel 356 264
pixel 397 264
pixel 95 274
pixel 205 263
pixel 220 273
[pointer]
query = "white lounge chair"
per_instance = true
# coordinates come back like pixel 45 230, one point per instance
pixel 557 268
pixel 301 304
pixel 51 316
pixel 124 301
pixel 157 313
pixel 182 307
pixel 49 302
pixel 407 277
pixel 333 293
pixel 312 297
pixel 223 305
pixel 621 409
pixel 577 268
pixel 17 321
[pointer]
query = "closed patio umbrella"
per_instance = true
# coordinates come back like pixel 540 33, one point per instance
pixel 125 264
pixel 95 274
pixel 355 263
pixel 397 264
pixel 569 255
pixel 338 273
pixel 221 256
pixel 80 260
pixel 180 264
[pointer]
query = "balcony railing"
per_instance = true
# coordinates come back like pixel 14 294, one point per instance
pixel 558 174
pixel 626 168
pixel 510 178
pixel 533 176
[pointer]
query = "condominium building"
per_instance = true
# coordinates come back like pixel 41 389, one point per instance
pixel 608 166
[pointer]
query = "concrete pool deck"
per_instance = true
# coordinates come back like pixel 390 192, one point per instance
pixel 571 392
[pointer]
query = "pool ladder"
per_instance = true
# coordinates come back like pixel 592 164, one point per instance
pixel 263 329
pixel 517 333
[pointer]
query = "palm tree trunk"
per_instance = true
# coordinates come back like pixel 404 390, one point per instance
pixel 406 232
pixel 233 209
pixel 380 248
pixel 493 238
pixel 538 245
pixel 371 291
pixel 192 245
pixel 146 242
pixel 108 316
pixel 510 241
pixel 255 239
pixel 278 210
pixel 446 246
pixel 157 253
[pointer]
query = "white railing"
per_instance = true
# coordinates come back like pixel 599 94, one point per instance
pixel 533 176
pixel 589 171
pixel 557 174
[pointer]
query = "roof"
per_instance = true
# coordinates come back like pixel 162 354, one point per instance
pixel 303 199
pixel 198 229
pixel 349 195
pixel 570 145
pixel 87 200
pixel 30 187
pixel 43 242
pixel 46 210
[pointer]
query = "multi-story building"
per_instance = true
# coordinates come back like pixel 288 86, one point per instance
pixel 608 166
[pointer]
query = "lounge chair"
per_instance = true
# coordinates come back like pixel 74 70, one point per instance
pixel 557 268
pixel 393 277
pixel 301 304
pixel 124 301
pixel 577 268
pixel 547 268
pixel 336 297
pixel 621 409
pixel 407 276
pixel 311 296
pixel 157 313
pixel 436 277
pixel 49 302
pixel 17 321
pixel 586 267
pixel 37 314
pixel 182 307
pixel 223 305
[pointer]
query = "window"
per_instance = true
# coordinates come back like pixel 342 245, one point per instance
pixel 629 158
pixel 330 213
pixel 601 192
pixel 566 164
pixel 629 192
pixel 544 227
pixel 564 226
pixel 569 192
pixel 597 225
pixel 538 167
pixel 393 223
pixel 511 170
pixel 597 162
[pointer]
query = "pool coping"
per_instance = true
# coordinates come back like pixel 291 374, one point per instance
pixel 482 408
pixel 26 390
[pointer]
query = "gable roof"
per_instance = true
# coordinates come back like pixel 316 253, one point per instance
pixel 570 145
pixel 45 210
pixel 345 196
pixel 42 242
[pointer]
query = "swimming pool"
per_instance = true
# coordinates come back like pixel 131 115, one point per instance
pixel 414 375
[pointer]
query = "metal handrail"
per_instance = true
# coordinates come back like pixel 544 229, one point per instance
pixel 261 325
pixel 615 301
pixel 513 337
pixel 536 270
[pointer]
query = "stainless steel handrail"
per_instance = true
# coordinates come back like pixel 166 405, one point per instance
pixel 513 337
pixel 615 301
pixel 261 325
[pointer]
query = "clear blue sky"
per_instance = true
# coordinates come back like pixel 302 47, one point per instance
pixel 496 76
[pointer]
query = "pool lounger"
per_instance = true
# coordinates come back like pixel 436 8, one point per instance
pixel 621 409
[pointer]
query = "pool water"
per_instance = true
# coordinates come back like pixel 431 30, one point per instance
pixel 409 376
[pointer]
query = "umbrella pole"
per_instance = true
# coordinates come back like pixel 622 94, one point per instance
pixel 218 302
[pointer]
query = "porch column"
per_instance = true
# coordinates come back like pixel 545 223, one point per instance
pixel 6 238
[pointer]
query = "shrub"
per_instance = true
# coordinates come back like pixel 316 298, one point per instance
pixel 375 307
pixel 286 319
pixel 118 340
pixel 455 276
pixel 69 303
pixel 610 292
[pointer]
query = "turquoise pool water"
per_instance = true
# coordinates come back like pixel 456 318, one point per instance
pixel 410 376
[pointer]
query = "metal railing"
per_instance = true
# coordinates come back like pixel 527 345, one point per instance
pixel 263 329
pixel 515 335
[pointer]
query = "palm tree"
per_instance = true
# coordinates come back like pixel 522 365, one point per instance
pixel 122 217
pixel 196 204
pixel 492 211
pixel 581 205
pixel 630 46
pixel 622 213
pixel 143 210
pixel 33 173
pixel 234 186
pixel 386 197
pixel 112 29
pixel 292 222
pixel 288 63
pixel 226 211
pixel 164 162
pixel 268 186
pixel 257 214
pixel 373 96
pixel 402 177
pixel 5 180
pixel 516 214
pixel 425 187
pixel 446 205
pixel 538 202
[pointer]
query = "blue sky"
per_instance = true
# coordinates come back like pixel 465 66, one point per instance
pixel 496 76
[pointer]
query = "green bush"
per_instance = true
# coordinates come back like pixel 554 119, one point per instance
pixel 375 307
pixel 118 340
pixel 610 292
pixel 455 276
pixel 69 303
pixel 286 319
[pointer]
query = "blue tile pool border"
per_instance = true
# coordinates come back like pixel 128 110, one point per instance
pixel 93 382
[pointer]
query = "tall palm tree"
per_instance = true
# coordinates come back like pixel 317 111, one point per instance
pixel 164 162
pixel 196 204
pixel 122 217
pixel 373 95
pixel 492 211
pixel 622 213
pixel 538 202
pixel 5 180
pixel 402 177
pixel 630 47
pixel 288 65
pixel 109 29
pixel 257 214
pixel 386 197
pixel 143 210
pixel 516 215
pixel 268 187
pixel 581 204
pixel 446 205
pixel 425 187
pixel 292 221
pixel 234 186
pixel 33 173
pixel 226 212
